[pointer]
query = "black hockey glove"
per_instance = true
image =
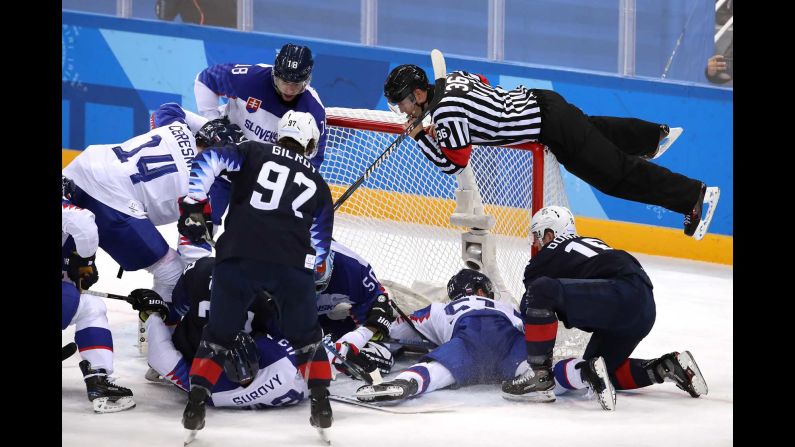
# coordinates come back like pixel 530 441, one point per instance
pixel 82 270
pixel 356 357
pixel 219 132
pixel 146 302
pixel 194 220
pixel 379 355
pixel 380 316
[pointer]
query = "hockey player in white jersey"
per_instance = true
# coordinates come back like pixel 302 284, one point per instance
pixel 87 312
pixel 259 95
pixel 259 370
pixel 132 187
pixel 479 340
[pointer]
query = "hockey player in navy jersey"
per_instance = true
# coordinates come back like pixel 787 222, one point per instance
pixel 277 231
pixel 260 94
pixel 610 153
pixel 87 312
pixel 133 187
pixel 260 368
pixel 479 341
pixel 346 289
pixel 586 284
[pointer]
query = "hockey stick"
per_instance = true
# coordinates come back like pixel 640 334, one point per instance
pixel 142 343
pixel 440 75
pixel 391 409
pixel 373 378
pixel 112 296
pixel 415 345
pixel 411 325
pixel 67 350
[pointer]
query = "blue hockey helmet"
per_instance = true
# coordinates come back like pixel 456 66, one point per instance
pixel 467 282
pixel 219 132
pixel 323 273
pixel 242 360
pixel 292 70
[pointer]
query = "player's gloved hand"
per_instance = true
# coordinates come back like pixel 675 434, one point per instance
pixel 340 312
pixel 380 316
pixel 352 354
pixel 83 271
pixel 147 302
pixel 195 219
pixel 379 355
pixel 350 342
pixel 219 132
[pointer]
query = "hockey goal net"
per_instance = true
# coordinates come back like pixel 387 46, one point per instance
pixel 399 219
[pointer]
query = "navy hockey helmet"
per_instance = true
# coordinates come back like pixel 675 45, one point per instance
pixel 242 360
pixel 294 64
pixel 218 132
pixel 467 282
pixel 402 81
pixel 323 273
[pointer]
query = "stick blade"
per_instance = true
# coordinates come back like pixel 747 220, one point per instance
pixel 68 350
pixel 439 66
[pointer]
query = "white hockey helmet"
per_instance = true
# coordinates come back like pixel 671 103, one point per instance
pixel 556 218
pixel 301 127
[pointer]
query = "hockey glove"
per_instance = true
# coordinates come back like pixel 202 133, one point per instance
pixel 82 270
pixel 146 302
pixel 219 132
pixel 354 356
pixel 379 355
pixel 380 316
pixel 195 220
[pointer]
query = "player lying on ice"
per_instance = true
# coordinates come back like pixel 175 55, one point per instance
pixel 260 368
pixel 479 340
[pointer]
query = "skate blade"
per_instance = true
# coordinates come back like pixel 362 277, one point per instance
pixel 711 199
pixel 191 436
pixel 105 405
pixel 691 368
pixel 673 134
pixel 607 397
pixel 534 396
pixel 369 393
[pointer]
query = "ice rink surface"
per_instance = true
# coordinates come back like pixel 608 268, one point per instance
pixel 694 312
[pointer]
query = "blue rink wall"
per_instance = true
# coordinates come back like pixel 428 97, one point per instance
pixel 115 71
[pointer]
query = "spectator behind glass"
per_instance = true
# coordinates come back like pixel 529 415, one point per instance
pixel 720 68
pixel 203 12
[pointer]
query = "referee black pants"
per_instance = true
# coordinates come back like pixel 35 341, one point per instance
pixel 604 151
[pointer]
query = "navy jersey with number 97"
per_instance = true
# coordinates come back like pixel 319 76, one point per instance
pixel 280 208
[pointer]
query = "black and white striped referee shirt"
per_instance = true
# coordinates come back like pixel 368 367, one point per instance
pixel 474 112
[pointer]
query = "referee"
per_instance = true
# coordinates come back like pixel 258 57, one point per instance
pixel 610 153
